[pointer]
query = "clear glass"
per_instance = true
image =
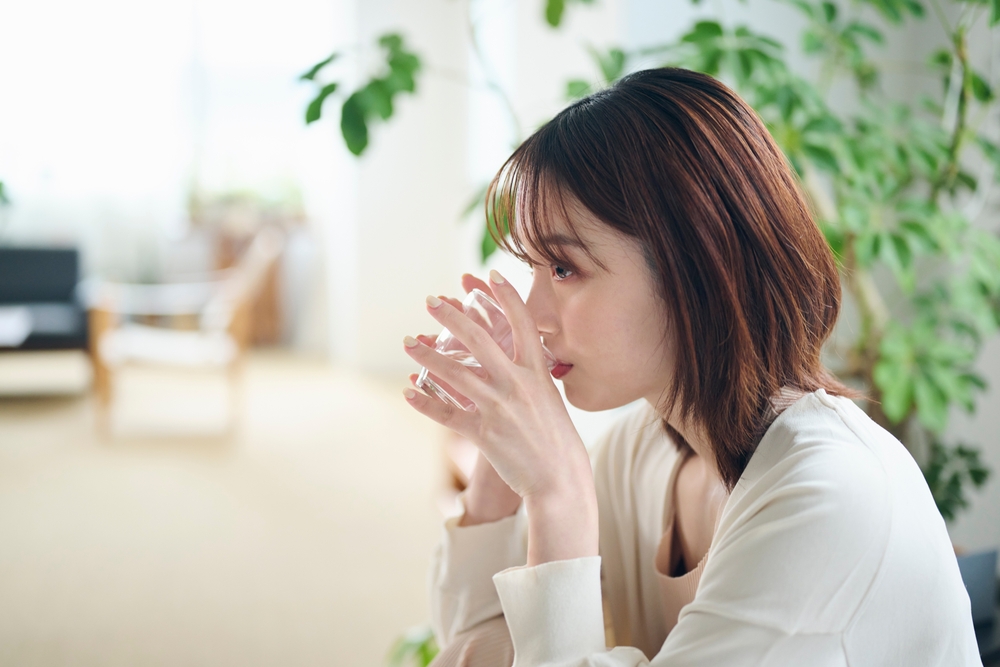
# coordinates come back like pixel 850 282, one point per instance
pixel 485 312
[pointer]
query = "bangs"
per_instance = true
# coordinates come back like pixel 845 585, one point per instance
pixel 526 198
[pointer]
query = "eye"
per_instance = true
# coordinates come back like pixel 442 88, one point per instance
pixel 561 272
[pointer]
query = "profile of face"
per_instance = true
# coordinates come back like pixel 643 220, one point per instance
pixel 607 323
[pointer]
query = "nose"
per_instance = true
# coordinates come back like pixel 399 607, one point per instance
pixel 541 304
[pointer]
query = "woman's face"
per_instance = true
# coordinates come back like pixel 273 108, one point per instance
pixel 606 324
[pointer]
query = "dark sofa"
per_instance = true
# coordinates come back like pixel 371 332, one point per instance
pixel 44 281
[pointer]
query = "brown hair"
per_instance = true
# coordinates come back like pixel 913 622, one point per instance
pixel 678 162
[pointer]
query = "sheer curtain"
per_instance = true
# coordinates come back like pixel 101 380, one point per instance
pixel 112 111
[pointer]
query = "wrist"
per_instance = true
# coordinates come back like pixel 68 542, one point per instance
pixel 486 507
pixel 487 498
pixel 562 525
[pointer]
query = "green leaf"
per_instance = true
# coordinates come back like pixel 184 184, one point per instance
pixel 980 89
pixel 612 64
pixel 992 153
pixel 315 108
pixel 418 643
pixel 488 245
pixel 994 12
pixel 376 98
pixel 554 10
pixel 866 248
pixel 822 157
pixel 966 180
pixel 919 235
pixel 476 202
pixel 703 31
pixel 823 124
pixel 896 385
pixel 864 30
pixel 576 89
pixel 835 239
pixel 391 41
pixel 353 125
pixel 314 70
pixel 903 250
pixel 932 404
pixel 829 11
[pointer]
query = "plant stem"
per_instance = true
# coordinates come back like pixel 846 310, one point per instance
pixel 939 13
pixel 947 177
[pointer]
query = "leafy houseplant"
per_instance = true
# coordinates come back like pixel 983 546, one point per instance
pixel 893 188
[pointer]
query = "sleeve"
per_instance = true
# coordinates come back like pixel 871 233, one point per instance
pixel 780 585
pixel 462 594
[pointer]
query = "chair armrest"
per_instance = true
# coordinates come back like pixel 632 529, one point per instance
pixel 128 299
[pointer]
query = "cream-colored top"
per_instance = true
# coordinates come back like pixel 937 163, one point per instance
pixel 829 551
pixel 676 591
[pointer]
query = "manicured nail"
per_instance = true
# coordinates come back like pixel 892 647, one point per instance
pixel 410 341
pixel 495 277
pixel 433 301
pixel 409 393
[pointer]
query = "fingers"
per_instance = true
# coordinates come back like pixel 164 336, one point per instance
pixel 527 342
pixel 453 301
pixel 455 376
pixel 446 414
pixel 477 339
pixel 470 282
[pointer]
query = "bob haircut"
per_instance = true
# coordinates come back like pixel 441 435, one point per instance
pixel 677 161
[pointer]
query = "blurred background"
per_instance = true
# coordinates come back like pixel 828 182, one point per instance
pixel 204 454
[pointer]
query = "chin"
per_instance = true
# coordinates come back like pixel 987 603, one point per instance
pixel 592 402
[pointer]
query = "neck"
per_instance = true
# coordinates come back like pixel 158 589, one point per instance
pixel 697 437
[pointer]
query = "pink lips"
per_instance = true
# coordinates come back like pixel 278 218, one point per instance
pixel 561 370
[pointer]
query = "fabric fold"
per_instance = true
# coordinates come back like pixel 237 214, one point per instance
pixel 553 610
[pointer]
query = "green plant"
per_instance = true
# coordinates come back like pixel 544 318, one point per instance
pixel 372 101
pixel 891 185
pixel 416 648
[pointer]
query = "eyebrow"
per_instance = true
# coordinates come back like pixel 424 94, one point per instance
pixel 562 240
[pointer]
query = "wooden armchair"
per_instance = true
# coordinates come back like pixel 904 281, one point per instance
pixel 200 323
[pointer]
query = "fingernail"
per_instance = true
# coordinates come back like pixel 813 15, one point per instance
pixel 495 277
pixel 410 341
pixel 433 301
pixel 409 393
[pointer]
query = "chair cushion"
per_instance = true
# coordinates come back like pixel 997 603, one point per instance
pixel 137 342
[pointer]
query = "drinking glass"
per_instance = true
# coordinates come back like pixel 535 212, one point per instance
pixel 485 312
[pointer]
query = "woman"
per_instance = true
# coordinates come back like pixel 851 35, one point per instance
pixel 675 261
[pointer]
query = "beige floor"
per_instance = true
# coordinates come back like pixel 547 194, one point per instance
pixel 301 540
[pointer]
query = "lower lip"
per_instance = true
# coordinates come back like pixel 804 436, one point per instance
pixel 561 370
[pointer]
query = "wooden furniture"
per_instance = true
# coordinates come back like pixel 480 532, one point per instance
pixel 199 323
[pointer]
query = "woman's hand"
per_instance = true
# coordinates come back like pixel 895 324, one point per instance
pixel 487 497
pixel 520 425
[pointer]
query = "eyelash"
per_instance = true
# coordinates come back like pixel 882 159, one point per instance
pixel 556 267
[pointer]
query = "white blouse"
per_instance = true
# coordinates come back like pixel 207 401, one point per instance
pixel 829 551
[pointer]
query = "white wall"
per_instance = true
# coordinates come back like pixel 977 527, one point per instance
pixel 403 221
